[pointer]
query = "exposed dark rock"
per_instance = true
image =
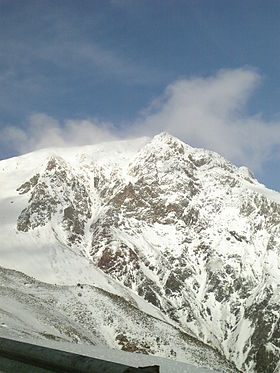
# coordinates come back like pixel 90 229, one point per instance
pixel 45 202
pixel 28 185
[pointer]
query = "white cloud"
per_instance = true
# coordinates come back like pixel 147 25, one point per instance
pixel 210 113
pixel 206 112
pixel 42 131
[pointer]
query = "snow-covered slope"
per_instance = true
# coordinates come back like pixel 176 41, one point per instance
pixel 179 232
pixel 85 315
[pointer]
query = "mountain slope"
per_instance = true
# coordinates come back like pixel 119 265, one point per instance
pixel 84 314
pixel 184 230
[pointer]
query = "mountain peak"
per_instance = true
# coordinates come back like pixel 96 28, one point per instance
pixel 166 143
pixel 166 138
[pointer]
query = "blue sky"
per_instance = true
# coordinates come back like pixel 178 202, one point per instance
pixel 73 72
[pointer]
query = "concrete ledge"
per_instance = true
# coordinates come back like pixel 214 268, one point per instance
pixel 24 357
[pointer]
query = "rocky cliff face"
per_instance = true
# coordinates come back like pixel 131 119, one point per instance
pixel 56 192
pixel 187 231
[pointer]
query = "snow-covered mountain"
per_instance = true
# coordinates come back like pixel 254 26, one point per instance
pixel 180 235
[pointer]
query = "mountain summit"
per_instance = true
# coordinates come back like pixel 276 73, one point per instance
pixel 180 233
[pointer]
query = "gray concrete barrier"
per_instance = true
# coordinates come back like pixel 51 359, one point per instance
pixel 24 357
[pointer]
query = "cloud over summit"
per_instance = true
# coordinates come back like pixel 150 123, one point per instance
pixel 43 131
pixel 208 112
